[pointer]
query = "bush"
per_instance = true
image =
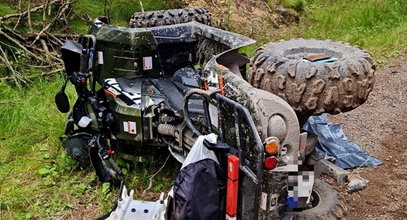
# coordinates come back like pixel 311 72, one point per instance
pixel 298 5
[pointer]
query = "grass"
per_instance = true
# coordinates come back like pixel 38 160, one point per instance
pixel 37 179
pixel 119 11
pixel 4 9
pixel 380 26
pixel 298 5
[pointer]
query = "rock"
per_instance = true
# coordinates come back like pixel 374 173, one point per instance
pixel 356 183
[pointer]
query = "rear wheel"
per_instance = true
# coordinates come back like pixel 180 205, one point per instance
pixel 312 88
pixel 169 17
pixel 325 204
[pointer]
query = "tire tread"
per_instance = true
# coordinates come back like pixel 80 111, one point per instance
pixel 169 17
pixel 312 89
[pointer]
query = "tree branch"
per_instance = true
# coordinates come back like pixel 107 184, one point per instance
pixel 9 78
pixel 14 74
pixel 21 46
pixel 56 18
pixel 25 13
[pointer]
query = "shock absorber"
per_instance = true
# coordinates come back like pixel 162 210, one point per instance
pixel 185 141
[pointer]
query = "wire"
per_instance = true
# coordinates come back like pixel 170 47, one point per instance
pixel 151 178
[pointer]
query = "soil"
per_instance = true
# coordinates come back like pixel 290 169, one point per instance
pixel 380 127
pixel 252 18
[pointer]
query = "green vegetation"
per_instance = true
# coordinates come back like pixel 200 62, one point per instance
pixel 298 5
pixel 119 11
pixel 38 180
pixel 4 9
pixel 380 26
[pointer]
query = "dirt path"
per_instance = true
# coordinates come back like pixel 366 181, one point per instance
pixel 380 127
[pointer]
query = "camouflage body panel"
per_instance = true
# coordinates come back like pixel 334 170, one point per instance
pixel 122 52
pixel 127 115
pixel 209 41
pixel 126 52
pixel 120 59
pixel 124 97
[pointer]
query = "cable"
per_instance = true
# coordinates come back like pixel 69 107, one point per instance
pixel 151 178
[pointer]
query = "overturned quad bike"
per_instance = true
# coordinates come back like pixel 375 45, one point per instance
pixel 171 78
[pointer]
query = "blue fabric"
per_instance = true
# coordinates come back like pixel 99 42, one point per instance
pixel 332 142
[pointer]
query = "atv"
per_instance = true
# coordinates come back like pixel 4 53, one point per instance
pixel 171 78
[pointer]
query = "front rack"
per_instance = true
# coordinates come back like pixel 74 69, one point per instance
pixel 254 173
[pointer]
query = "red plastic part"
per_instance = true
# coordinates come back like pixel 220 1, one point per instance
pixel 232 186
pixel 270 163
pixel 231 197
pixel 233 167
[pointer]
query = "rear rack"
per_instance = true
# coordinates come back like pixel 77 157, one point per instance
pixel 214 96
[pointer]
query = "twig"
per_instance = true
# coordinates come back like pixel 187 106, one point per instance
pixel 9 46
pixel 19 17
pixel 39 67
pixel 9 78
pixel 80 17
pixel 267 6
pixel 29 16
pixel 45 47
pixel 55 37
pixel 106 8
pixel 14 73
pixel 17 36
pixel 44 12
pixel 41 51
pixel 90 19
pixel 52 23
pixel 141 5
pixel 32 10
pixel 21 46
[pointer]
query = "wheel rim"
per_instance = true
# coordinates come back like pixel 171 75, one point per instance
pixel 314 200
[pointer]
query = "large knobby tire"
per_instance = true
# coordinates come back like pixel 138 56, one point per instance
pixel 314 88
pixel 327 205
pixel 169 17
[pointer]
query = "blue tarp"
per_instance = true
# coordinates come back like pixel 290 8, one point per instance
pixel 332 142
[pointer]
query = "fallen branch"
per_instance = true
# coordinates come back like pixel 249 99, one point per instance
pixel 56 18
pixel 29 16
pixel 44 12
pixel 10 78
pixel 45 47
pixel 19 18
pixel 53 55
pixel 31 36
pixel 23 39
pixel 21 46
pixel 267 6
pixel 141 5
pixel 25 13
pixel 15 75
pixel 56 37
